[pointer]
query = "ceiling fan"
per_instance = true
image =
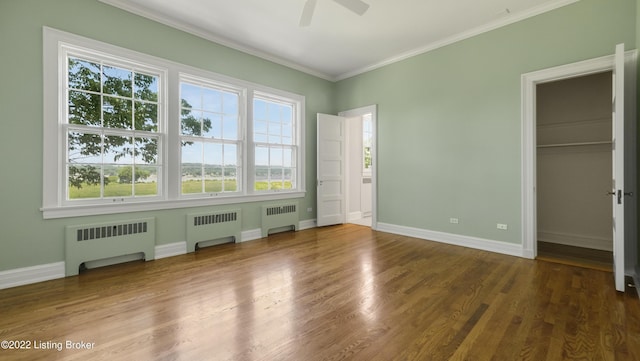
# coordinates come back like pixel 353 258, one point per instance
pixel 357 6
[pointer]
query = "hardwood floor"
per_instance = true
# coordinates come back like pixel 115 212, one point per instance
pixel 333 293
pixel 576 256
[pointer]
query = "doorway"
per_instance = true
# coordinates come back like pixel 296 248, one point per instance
pixel 346 167
pixel 360 152
pixel 623 149
pixel 573 163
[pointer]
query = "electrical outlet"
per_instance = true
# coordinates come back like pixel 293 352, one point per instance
pixel 453 220
pixel 502 226
pixel 309 209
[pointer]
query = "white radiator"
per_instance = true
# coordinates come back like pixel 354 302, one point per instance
pixel 91 242
pixel 278 216
pixel 216 227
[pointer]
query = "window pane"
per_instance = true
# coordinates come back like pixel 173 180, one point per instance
pixel 262 156
pixel 191 97
pixel 83 75
pixel 120 182
pixel 230 127
pixel 84 148
pixel 118 150
pixel 287 157
pixel 213 155
pixel 275 158
pixel 212 100
pixel 259 110
pixel 117 81
pixel 192 167
pixel 212 125
pixel 191 122
pixel 146 151
pixel 146 116
pixel 230 179
pixel 117 113
pixel 146 87
pixel 260 127
pixel 275 128
pixel 84 108
pixel 230 155
pixel 85 181
pixel 146 181
pixel 287 130
pixel 230 103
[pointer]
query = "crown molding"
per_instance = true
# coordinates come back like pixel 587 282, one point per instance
pixel 511 19
pixel 197 31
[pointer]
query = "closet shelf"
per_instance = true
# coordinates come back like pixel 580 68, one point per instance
pixel 573 144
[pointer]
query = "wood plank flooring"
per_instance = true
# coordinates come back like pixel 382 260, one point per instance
pixel 576 256
pixel 332 293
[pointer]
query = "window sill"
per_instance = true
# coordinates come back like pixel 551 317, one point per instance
pixel 100 209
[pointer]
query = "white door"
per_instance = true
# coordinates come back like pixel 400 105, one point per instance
pixel 618 168
pixel 331 170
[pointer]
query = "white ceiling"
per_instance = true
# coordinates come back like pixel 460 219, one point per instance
pixel 338 43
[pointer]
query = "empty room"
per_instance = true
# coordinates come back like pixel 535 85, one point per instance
pixel 319 180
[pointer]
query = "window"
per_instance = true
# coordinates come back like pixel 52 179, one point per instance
pixel 210 138
pixel 125 131
pixel 274 144
pixel 111 130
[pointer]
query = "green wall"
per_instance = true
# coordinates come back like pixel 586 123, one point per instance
pixel 449 120
pixel 449 141
pixel 26 239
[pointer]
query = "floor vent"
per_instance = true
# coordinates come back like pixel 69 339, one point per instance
pixel 91 242
pixel 213 228
pixel 279 216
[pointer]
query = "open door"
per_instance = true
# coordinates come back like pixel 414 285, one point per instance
pixel 618 168
pixel 331 182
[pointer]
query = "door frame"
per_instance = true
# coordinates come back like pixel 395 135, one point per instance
pixel 529 81
pixel 359 112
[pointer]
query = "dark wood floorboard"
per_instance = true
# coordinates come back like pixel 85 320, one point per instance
pixel 576 256
pixel 332 293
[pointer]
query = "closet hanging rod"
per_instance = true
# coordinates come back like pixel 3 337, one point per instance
pixel 573 144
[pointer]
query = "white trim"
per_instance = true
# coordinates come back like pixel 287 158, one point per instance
pixel 454 239
pixel 78 211
pixel 180 25
pixel 250 235
pixel 307 224
pixel 27 275
pixel 170 250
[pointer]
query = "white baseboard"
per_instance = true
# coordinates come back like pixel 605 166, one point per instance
pixel 455 239
pixel 354 216
pixel 576 240
pixel 171 249
pixel 251 235
pixel 307 224
pixel 27 275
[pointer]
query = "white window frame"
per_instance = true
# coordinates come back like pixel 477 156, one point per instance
pixel 169 195
pixel 295 146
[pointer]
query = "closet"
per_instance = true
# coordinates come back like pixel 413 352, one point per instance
pixel 573 132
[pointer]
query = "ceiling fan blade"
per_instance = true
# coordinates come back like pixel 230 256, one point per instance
pixel 357 6
pixel 307 12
